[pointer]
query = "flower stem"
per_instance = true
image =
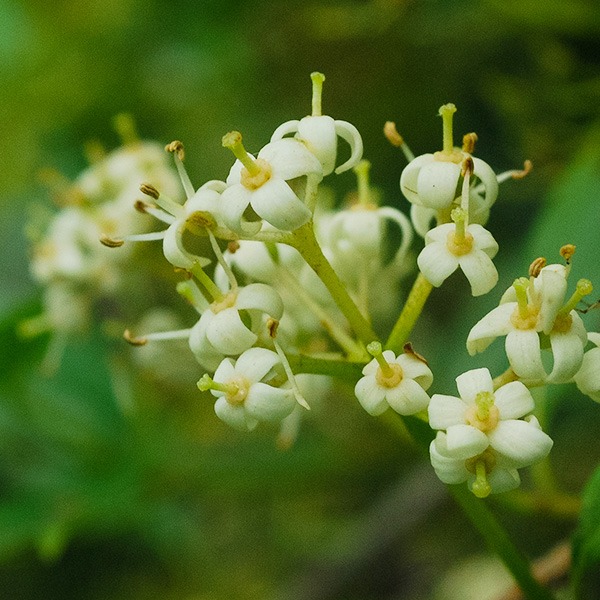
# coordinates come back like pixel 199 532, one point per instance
pixel 305 242
pixel 410 313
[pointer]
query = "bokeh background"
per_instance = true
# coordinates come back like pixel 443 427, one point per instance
pixel 116 482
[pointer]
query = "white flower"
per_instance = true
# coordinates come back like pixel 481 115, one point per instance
pixel 446 249
pixel 244 398
pixel 485 426
pixel 266 185
pixel 588 376
pixel 399 384
pixel 320 134
pixel 221 329
pixel 433 182
pixel 528 311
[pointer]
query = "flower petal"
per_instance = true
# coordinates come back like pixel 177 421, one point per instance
pixel 290 158
pixel 464 441
pixel 285 129
pixel 255 363
pixel 445 411
pixel 410 175
pixel 277 204
pixel 228 334
pixel 416 369
pixel 234 201
pixel 449 469
pixel 437 184
pixel 267 403
pixel 521 442
pixel 496 323
pixel 513 400
pixel 436 263
pixel 319 136
pixel 235 416
pixel 473 382
pixel 588 376
pixel 422 218
pixel 567 351
pixel 524 354
pixel 503 480
pixel 407 398
pixel 490 182
pixel 479 270
pixel 371 395
pixel 350 134
pixel 260 296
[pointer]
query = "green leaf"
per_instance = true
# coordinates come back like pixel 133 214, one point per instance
pixel 586 541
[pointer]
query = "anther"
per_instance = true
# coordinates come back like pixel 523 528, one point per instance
pixel 567 251
pixel 233 246
pixel 391 134
pixel 272 326
pixel 149 190
pixel 527 168
pixel 536 266
pixel 133 340
pixel 469 140
pixel 176 147
pixel 110 242
pixel 140 206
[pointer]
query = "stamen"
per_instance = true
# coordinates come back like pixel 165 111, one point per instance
pixel 376 351
pixel 362 176
pixel 536 266
pixel 189 290
pixel 152 236
pixel 163 201
pixel 395 139
pixel 128 337
pixel 459 216
pixel 317 91
pixel 567 251
pixel 110 242
pixel 516 173
pixel 584 288
pixel 176 148
pixel 466 172
pixel 233 141
pixel 125 127
pixel 233 284
pixel 157 213
pixel 207 282
pixel 206 382
pixel 469 140
pixel 481 487
pixel 272 325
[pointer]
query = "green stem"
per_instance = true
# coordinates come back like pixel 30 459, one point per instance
pixel 305 242
pixel 410 313
pixel 350 371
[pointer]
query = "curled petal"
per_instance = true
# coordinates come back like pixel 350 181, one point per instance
pixel 445 411
pixel 234 201
pixel 285 129
pixel 480 271
pixel 408 398
pixel 521 442
pixel 588 376
pixel 174 250
pixel 319 136
pixel 495 324
pixel 235 416
pixel 436 263
pixel 524 354
pixel 406 229
pixel 410 176
pixel 567 351
pixel 449 469
pixel 416 369
pixel 276 203
pixel 552 286
pixel 255 363
pixel 350 134
pixel 464 441
pixel 227 333
pixel 267 403
pixel 513 400
pixel 473 382
pixel 260 296
pixel 203 350
pixel 437 184
pixel 290 158
pixel 422 218
pixel 225 371
pixel 489 180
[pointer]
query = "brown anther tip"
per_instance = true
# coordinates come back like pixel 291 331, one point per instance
pixel 272 325
pixel 110 242
pixel 408 349
pixel 133 340
pixel 527 168
pixel 233 247
pixel 176 147
pixel 467 166
pixel 149 190
pixel 140 206
pixel 469 140
pixel 391 134
pixel 567 252
pixel 536 266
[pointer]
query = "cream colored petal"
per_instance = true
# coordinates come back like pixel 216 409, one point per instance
pixel 350 134
pixel 522 443
pixel 524 354
pixel 234 416
pixel 436 263
pixel 495 324
pixel 371 396
pixel 319 136
pixel 255 363
pixel 227 333
pixel 464 441
pixel 445 411
pixel 290 158
pixel 260 296
pixel 513 400
pixel 473 382
pixel 437 184
pixel 276 203
pixel 480 271
pixel 410 176
pixel 268 403
pixel 408 398
pixel 567 351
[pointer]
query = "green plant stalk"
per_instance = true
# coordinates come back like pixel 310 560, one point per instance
pixel 410 313
pixel 350 371
pixel 305 242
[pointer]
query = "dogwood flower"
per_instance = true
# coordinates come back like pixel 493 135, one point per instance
pixel 320 133
pixel 587 378
pixel 450 246
pixel 265 185
pixel 249 390
pixel 399 382
pixel 484 429
pixel 532 310
pixel 433 180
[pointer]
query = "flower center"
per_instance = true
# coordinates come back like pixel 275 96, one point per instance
pixel 459 245
pixel 392 377
pixel 237 392
pixel 227 301
pixel 199 221
pixel 563 323
pixel 253 179
pixel 485 414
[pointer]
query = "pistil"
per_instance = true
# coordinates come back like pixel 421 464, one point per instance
pixel 388 375
pixel 317 91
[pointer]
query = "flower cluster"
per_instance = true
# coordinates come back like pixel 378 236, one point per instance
pixel 285 286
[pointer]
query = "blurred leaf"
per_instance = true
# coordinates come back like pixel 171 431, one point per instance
pixel 586 541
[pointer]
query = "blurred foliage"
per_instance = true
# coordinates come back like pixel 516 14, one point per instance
pixel 117 484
